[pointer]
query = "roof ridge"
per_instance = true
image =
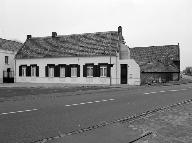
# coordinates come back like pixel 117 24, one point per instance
pixel 154 46
pixel 68 35
pixel 11 40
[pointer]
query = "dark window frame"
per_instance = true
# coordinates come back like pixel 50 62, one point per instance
pixel 6 60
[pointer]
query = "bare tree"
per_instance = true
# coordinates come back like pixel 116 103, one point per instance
pixel 188 71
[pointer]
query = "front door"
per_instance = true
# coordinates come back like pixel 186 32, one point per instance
pixel 123 73
pixel 8 76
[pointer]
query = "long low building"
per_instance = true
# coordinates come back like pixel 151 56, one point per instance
pixel 90 58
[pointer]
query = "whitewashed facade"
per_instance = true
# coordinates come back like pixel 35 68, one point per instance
pixel 7 63
pixel 133 70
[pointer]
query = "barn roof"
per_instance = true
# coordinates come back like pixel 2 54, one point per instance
pixel 157 58
pixel 87 44
pixel 10 45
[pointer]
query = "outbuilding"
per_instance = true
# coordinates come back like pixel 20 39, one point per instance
pixel 8 50
pixel 158 64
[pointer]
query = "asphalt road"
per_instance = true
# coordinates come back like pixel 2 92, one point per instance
pixel 25 120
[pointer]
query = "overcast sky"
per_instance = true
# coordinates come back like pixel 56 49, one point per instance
pixel 144 22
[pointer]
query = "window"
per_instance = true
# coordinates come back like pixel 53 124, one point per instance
pixel 6 60
pixel 24 71
pixel 33 71
pixel 51 71
pixel 89 71
pixel 62 71
pixel 103 71
pixel 73 71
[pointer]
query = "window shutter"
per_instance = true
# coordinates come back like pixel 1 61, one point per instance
pixel 37 71
pixel 56 71
pixel 95 73
pixel 98 71
pixel 78 70
pixel 20 70
pixel 28 71
pixel 84 71
pixel 46 71
pixel 68 71
pixel 108 70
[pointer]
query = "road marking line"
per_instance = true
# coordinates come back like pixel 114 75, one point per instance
pixel 146 93
pixel 18 112
pixel 173 90
pixel 153 92
pixel 27 110
pixel 4 113
pixel 97 101
pixel 162 91
pixel 12 112
pixel 89 102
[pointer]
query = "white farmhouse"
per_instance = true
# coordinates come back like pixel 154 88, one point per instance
pixel 90 58
pixel 8 51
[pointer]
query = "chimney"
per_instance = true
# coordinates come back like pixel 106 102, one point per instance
pixel 29 36
pixel 121 39
pixel 54 34
pixel 120 31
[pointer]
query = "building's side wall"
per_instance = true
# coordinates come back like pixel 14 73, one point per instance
pixel 3 66
pixel 133 72
pixel 133 69
pixel 42 62
pixel 124 52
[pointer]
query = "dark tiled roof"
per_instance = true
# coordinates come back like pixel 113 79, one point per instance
pixel 10 45
pixel 88 44
pixel 156 58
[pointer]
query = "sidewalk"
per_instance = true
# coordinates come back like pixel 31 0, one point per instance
pixel 59 85
pixel 173 126
pixel 46 85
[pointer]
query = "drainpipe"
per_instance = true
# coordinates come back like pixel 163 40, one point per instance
pixel 179 60
pixel 116 67
pixel 15 71
pixel 110 68
pixel 110 58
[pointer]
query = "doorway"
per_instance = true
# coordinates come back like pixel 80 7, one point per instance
pixel 8 76
pixel 123 73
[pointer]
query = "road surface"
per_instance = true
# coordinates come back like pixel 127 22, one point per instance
pixel 26 120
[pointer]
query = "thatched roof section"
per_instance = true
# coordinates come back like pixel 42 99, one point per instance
pixel 10 45
pixel 88 44
pixel 157 58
